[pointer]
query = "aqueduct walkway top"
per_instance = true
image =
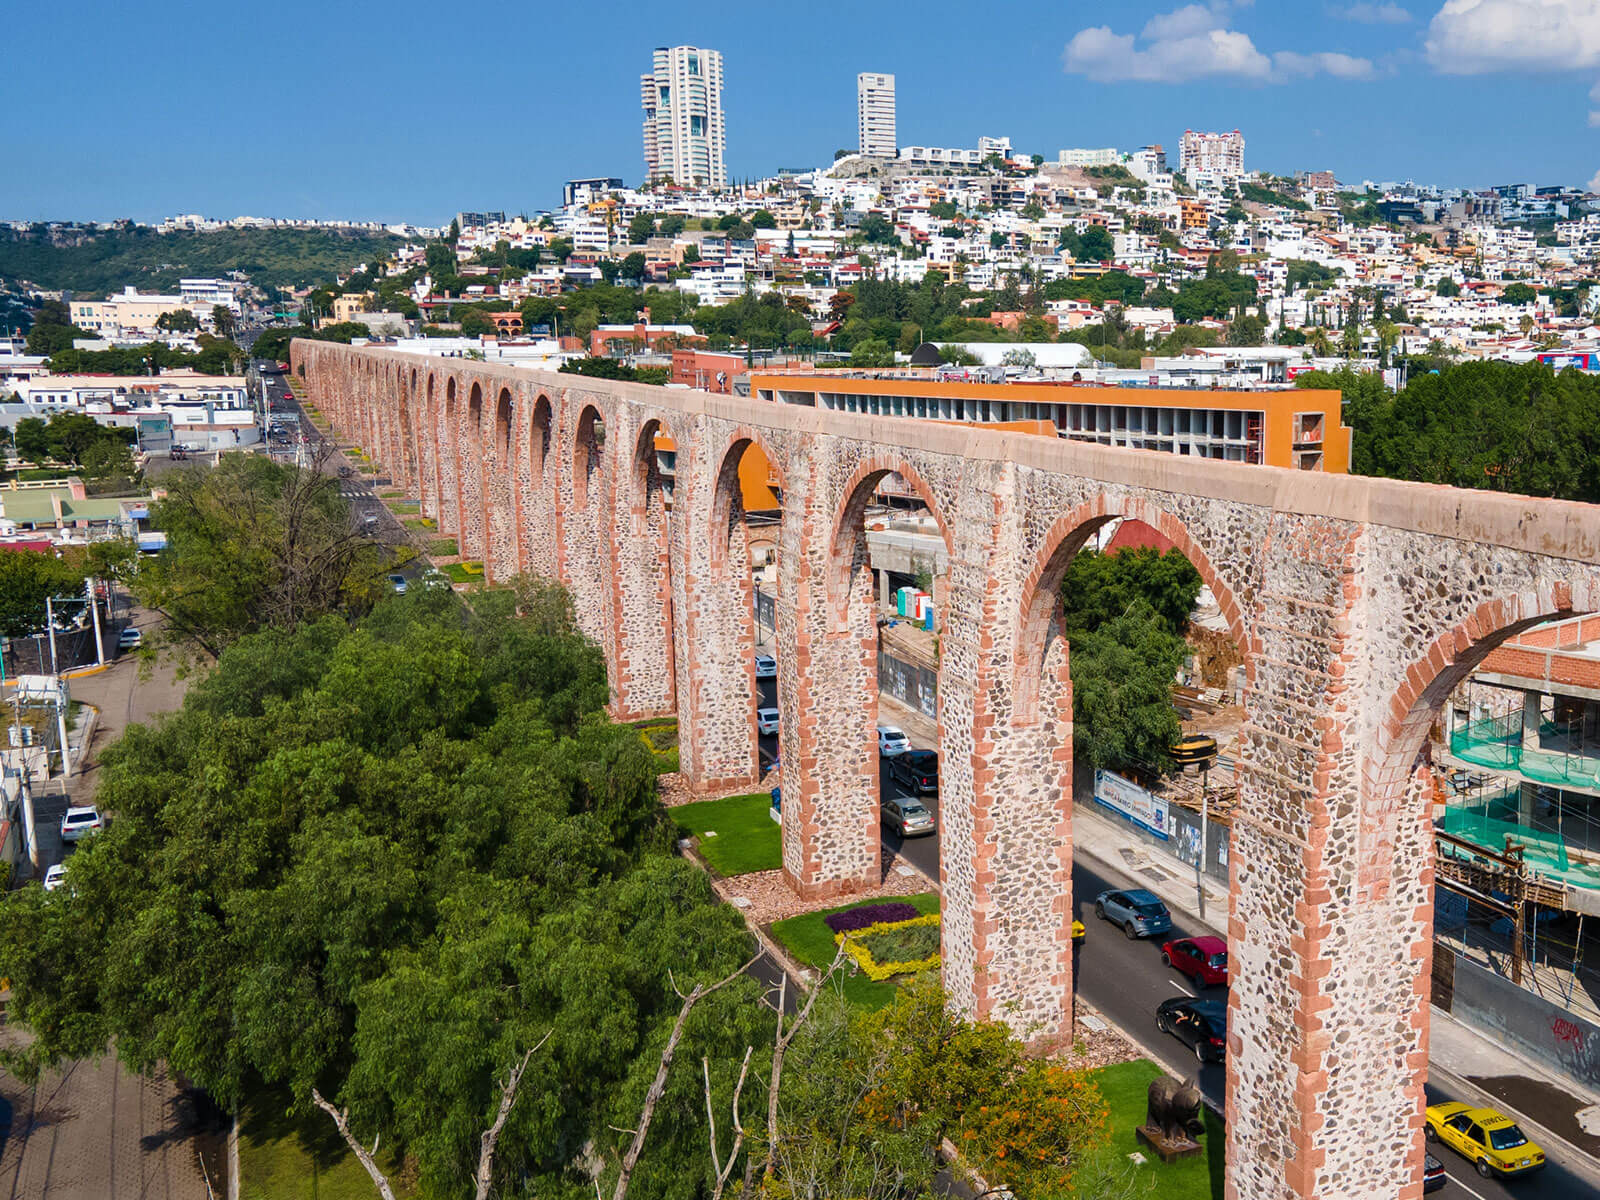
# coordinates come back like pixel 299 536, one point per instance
pixel 1358 604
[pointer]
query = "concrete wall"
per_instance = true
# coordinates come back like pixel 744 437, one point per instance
pixel 1358 604
pixel 1546 1032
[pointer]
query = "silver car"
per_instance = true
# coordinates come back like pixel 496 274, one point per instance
pixel 1139 912
pixel 907 816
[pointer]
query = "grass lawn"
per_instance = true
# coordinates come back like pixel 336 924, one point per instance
pixel 281 1159
pixel 417 523
pixel 444 547
pixel 464 572
pixel 809 941
pixel 1125 1088
pixel 748 839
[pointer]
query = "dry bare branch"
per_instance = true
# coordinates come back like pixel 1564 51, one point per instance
pixel 780 1046
pixel 723 1171
pixel 341 1120
pixel 659 1084
pixel 491 1135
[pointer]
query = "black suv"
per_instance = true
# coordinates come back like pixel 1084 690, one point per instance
pixel 918 770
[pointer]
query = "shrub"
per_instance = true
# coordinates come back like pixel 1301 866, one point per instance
pixel 852 919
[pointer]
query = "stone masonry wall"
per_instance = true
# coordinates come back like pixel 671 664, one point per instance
pixel 1357 605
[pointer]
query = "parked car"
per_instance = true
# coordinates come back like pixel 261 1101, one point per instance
pixel 1202 1025
pixel 1139 912
pixel 130 639
pixel 906 816
pixel 1493 1142
pixel 766 720
pixel 1203 959
pixel 766 667
pixel 892 741
pixel 917 770
pixel 55 877
pixel 79 822
pixel 1433 1176
pixel 398 583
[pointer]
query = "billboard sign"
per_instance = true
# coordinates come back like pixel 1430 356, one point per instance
pixel 1131 801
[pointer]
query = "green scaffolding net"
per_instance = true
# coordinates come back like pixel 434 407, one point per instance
pixel 1497 742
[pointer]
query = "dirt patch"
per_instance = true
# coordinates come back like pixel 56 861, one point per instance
pixel 768 898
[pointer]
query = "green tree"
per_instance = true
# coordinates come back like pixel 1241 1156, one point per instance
pixel 475 322
pixel 27 579
pixel 871 352
pixel 1447 287
pixel 254 544
pixel 179 320
pixel 222 320
pixel 1519 293
pixel 1247 330
pixel 641 228
pixel 763 219
pixel 633 267
pixel 1122 677
pixel 108 459
pixel 672 224
pixel 32 439
pixel 53 330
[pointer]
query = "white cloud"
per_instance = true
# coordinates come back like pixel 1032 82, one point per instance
pixel 1180 23
pixel 1594 93
pixel 1471 37
pixel 1287 64
pixel 1372 14
pixel 1594 184
pixel 1594 118
pixel 1193 42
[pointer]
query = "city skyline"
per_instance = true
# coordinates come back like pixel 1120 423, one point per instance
pixel 1467 93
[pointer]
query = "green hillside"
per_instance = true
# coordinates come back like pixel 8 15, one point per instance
pixel 94 262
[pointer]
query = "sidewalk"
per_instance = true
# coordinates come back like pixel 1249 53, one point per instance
pixel 1459 1055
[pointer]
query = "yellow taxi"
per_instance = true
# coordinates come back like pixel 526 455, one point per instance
pixel 1078 933
pixel 1493 1141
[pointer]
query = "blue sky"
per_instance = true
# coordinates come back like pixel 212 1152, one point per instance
pixel 410 111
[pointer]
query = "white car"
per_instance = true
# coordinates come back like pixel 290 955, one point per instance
pixel 892 741
pixel 766 720
pixel 766 667
pixel 55 877
pixel 79 822
pixel 130 639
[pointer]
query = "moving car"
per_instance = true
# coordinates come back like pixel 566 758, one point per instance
pixel 1139 912
pixel 892 741
pixel 766 720
pixel 130 639
pixel 918 770
pixel 1493 1141
pixel 906 816
pixel 1203 959
pixel 1202 1025
pixel 766 667
pixel 55 877
pixel 78 822
pixel 1433 1176
pixel 398 583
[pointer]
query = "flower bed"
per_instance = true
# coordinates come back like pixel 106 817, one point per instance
pixel 878 948
pixel 852 919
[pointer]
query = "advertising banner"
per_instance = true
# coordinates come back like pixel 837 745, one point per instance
pixel 1131 801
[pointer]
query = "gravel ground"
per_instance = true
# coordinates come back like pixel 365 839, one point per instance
pixel 763 897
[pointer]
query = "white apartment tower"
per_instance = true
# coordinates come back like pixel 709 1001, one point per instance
pixel 875 114
pixel 1219 155
pixel 684 138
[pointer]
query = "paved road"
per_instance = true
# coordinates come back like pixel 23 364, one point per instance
pixel 1126 981
pixel 91 1130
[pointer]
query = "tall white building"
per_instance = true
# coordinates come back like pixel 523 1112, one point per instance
pixel 684 138
pixel 1219 155
pixel 875 114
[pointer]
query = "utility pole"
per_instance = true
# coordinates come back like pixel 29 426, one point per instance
pixel 1200 859
pixel 50 624
pixel 94 613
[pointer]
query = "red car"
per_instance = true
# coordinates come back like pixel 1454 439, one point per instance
pixel 1202 959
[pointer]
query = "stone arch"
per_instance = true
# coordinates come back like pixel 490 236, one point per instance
pixel 450 462
pixel 495 486
pixel 1036 650
pixel 541 427
pixel 588 449
pixel 726 485
pixel 644 671
pixel 428 449
pixel 847 545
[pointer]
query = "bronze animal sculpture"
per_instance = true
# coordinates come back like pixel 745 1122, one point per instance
pixel 1172 1107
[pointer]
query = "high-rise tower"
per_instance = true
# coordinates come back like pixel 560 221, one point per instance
pixel 684 138
pixel 875 114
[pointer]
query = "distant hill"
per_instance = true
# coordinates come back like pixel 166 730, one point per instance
pixel 96 261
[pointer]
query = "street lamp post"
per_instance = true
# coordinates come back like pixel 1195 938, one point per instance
pixel 1200 858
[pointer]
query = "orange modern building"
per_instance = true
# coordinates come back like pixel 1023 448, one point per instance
pixel 1291 427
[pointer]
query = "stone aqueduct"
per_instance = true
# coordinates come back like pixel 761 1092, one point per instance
pixel 1358 603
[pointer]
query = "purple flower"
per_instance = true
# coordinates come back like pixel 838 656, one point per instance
pixel 869 914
